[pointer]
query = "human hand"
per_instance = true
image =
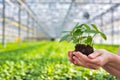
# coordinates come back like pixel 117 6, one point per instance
pixel 80 59
pixel 94 61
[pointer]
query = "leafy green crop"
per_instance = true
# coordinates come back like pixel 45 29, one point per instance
pixel 46 61
pixel 83 34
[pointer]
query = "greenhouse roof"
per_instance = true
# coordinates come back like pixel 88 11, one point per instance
pixel 54 16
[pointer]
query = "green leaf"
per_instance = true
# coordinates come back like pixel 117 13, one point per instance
pixel 75 27
pixel 86 26
pixel 78 32
pixel 90 31
pixel 76 41
pixel 89 40
pixel 83 37
pixel 69 39
pixel 64 37
pixel 95 27
pixel 80 26
pixel 103 35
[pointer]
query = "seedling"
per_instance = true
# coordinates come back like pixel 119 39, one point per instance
pixel 83 35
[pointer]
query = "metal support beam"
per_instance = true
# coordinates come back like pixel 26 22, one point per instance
pixel 112 26
pixel 60 28
pixel 35 18
pixel 33 28
pixel 101 19
pixel 19 18
pixel 101 14
pixel 28 26
pixel 3 24
pixel 68 2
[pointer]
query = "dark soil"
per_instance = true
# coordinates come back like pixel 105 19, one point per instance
pixel 85 49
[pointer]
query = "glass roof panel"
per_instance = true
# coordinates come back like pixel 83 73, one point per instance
pixel 52 13
pixel 58 15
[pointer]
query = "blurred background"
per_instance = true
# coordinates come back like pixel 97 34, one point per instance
pixel 30 31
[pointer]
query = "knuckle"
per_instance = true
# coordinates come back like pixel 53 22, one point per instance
pixel 96 68
pixel 74 57
pixel 78 53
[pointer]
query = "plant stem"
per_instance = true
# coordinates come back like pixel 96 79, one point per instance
pixel 94 35
pixel 92 40
pixel 79 39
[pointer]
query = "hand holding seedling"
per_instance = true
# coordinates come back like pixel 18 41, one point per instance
pixel 94 61
pixel 85 56
pixel 99 58
pixel 82 35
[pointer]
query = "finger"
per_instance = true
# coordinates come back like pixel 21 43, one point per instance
pixel 93 66
pixel 98 61
pixel 71 59
pixel 81 56
pixel 76 61
pixel 79 63
pixel 69 52
pixel 95 54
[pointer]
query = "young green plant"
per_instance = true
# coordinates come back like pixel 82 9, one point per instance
pixel 83 35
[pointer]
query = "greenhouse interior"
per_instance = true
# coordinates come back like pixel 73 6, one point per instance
pixel 38 39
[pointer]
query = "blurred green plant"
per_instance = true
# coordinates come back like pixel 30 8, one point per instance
pixel 81 34
pixel 45 61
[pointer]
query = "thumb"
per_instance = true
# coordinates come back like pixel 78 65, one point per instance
pixel 94 54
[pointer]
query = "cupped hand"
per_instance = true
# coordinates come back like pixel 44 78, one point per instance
pixel 93 61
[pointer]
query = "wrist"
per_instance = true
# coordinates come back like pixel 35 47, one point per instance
pixel 112 59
